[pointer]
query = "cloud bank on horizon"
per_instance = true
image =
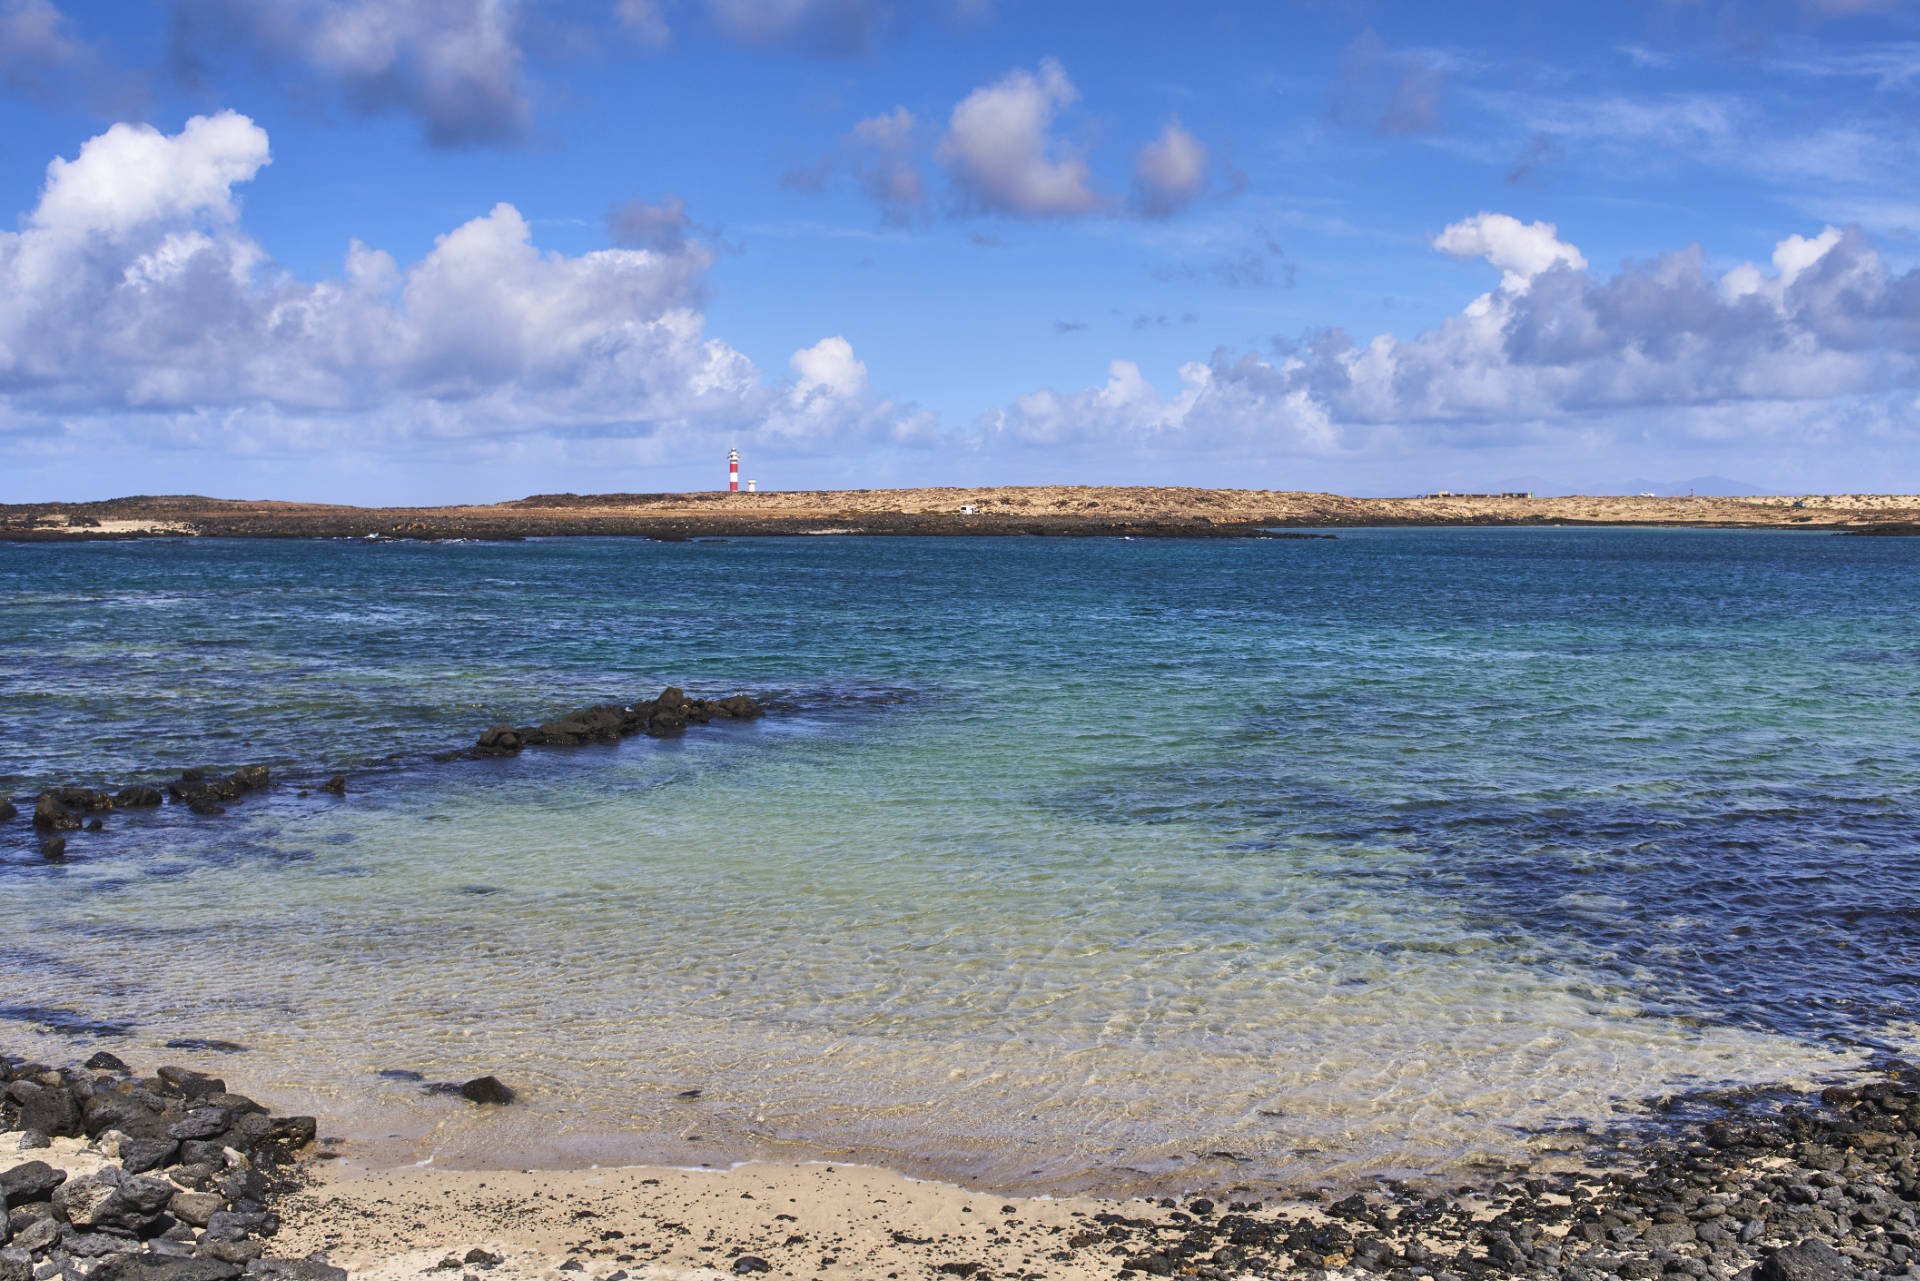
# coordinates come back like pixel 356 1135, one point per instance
pixel 369 250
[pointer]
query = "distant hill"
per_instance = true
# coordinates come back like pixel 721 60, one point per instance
pixel 1712 486
pixel 1718 486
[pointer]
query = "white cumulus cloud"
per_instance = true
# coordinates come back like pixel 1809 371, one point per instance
pixel 1000 152
pixel 1520 249
pixel 1170 172
pixel 134 302
pixel 1554 353
pixel 133 175
pixel 829 366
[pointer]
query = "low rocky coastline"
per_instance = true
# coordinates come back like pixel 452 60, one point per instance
pixel 1043 511
pixel 171 1178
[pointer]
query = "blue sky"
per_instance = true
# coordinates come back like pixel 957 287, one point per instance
pixel 427 250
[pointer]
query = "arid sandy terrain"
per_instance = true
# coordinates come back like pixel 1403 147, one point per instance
pixel 1047 510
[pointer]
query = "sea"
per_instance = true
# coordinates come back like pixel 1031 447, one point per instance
pixel 1056 864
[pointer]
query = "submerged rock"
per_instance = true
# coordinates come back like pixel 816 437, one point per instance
pixel 82 800
pixel 137 796
pixel 204 790
pixel 488 1090
pixel 671 713
pixel 208 1044
pixel 501 740
pixel 337 785
pixel 49 815
pixel 8 810
pixel 667 720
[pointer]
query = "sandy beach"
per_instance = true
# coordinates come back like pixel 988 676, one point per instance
pixel 1768 1184
pixel 830 1221
pixel 1141 511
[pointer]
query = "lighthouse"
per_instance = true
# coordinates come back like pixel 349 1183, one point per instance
pixel 733 471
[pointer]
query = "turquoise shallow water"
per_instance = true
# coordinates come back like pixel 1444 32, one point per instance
pixel 1060 863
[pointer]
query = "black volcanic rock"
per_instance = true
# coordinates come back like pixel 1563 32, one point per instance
pixel 49 815
pixel 501 740
pixel 82 800
pixel 34 1181
pixel 137 1156
pixel 46 1108
pixel 1811 1260
pixel 149 1267
pixel 113 1111
pixel 487 1090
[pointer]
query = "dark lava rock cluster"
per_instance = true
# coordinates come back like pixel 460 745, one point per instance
pixel 187 1199
pixel 670 713
pixel 1822 1189
pixel 59 810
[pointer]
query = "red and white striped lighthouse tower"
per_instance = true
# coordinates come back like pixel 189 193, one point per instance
pixel 733 471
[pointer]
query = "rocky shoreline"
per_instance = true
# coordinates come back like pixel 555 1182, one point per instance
pixel 55 812
pixel 167 1177
pixel 171 1178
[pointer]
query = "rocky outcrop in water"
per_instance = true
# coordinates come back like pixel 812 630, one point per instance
pixel 185 1194
pixel 204 792
pixel 72 809
pixel 670 713
pixel 208 792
